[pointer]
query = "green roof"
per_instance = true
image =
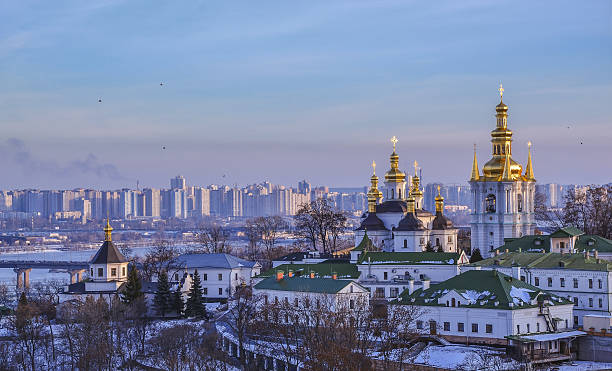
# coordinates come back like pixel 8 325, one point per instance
pixel 302 284
pixel 484 289
pixel 567 232
pixel 366 244
pixel 343 270
pixel 541 243
pixel 546 260
pixel 409 258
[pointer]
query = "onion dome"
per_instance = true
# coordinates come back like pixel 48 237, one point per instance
pixel 394 175
pixel 374 195
pixel 410 223
pixel 372 223
pixel 440 221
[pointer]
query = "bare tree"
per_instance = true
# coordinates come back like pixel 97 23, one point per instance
pixel 319 222
pixel 158 258
pixel 551 218
pixel 590 210
pixel 269 228
pixel 253 235
pixel 213 238
pixel 241 317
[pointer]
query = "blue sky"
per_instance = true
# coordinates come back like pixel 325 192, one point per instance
pixel 285 90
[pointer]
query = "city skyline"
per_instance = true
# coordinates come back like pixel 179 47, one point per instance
pixel 298 91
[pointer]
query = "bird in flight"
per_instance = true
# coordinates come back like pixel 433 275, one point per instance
pixel 163 147
pixel 99 100
pixel 161 84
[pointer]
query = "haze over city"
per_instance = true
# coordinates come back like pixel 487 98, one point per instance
pixel 103 94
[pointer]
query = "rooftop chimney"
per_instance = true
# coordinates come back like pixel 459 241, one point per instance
pixel 334 275
pixel 279 275
pixel 290 274
pixel 410 286
pixel 425 283
pixel 312 275
pixel 595 254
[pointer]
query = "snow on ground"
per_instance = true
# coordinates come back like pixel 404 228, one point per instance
pixel 581 365
pixel 520 294
pixel 461 357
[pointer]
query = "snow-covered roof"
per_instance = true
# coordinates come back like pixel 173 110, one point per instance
pixel 211 261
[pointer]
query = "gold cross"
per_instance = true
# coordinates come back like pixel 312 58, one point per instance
pixel 394 141
pixel 415 167
pixel 501 91
pixel 529 144
pixel 374 167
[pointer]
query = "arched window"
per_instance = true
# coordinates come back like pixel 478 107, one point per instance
pixel 519 201
pixel 392 193
pixel 453 302
pixel 437 241
pixel 490 203
pixel 405 244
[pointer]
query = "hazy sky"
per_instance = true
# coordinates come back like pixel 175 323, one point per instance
pixel 285 90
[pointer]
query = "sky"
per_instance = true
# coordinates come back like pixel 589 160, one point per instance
pixel 290 90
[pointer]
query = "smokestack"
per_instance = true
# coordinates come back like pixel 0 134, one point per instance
pixel 279 275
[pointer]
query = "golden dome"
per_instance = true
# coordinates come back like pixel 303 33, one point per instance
pixel 394 175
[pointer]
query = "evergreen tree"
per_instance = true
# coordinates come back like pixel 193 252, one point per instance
pixel 440 249
pixel 133 287
pixel 195 302
pixel 177 301
pixel 163 297
pixel 428 247
pixel 476 257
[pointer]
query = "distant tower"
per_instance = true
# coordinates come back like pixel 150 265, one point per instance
pixel 503 197
pixel 178 183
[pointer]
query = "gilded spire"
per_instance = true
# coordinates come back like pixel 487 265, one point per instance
pixel 507 174
pixel 374 194
pixel 410 204
pixel 529 168
pixel 107 231
pixel 439 202
pixel 501 92
pixel 475 175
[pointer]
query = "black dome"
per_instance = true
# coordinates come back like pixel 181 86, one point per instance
pixel 410 223
pixel 372 223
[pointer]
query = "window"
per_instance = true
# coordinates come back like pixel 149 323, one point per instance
pixel 113 272
pixel 474 327
pixel 220 277
pixel 490 203
pixel 446 326
pixel 123 272
pixel 352 304
pixel 205 277
pixel 286 300
pixel 437 241
pixel 265 299
pixel 575 301
pixel 422 241
pixel 405 244
pixel 549 282
pixel 92 272
pixel 528 329
pixel 394 292
pixel 575 320
pixel 453 301
pixel 562 245
pixel 295 302
pixel 236 276
pixel 600 302
pixel 519 199
pixel 220 291
pixel 562 281
pixel 599 283
pixel 205 290
pixel 489 328
pixel 450 239
pixel 100 272
pixel 385 276
pixel 518 329
pixel 460 327
pixel 575 283
pixel 538 326
pixel 591 302
pixel 537 281
pixel 419 325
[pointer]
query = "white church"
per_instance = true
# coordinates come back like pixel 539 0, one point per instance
pixel 397 222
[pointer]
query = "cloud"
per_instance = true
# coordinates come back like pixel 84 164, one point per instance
pixel 15 151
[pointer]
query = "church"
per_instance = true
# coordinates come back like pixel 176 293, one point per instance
pixel 396 220
pixel 502 196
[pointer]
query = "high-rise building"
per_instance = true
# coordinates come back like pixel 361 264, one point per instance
pixel 503 196
pixel 152 202
pixel 201 199
pixel 304 187
pixel 233 202
pixel 178 182
pixel 178 203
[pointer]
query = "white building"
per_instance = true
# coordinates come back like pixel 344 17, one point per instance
pixel 300 293
pixel 503 197
pixel 108 271
pixel 583 279
pixel 387 274
pixel 220 274
pixel 489 307
pixel 398 221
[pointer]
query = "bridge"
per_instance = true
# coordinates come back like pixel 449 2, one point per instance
pixel 23 268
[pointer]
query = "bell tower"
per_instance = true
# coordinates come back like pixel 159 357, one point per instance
pixel 502 197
